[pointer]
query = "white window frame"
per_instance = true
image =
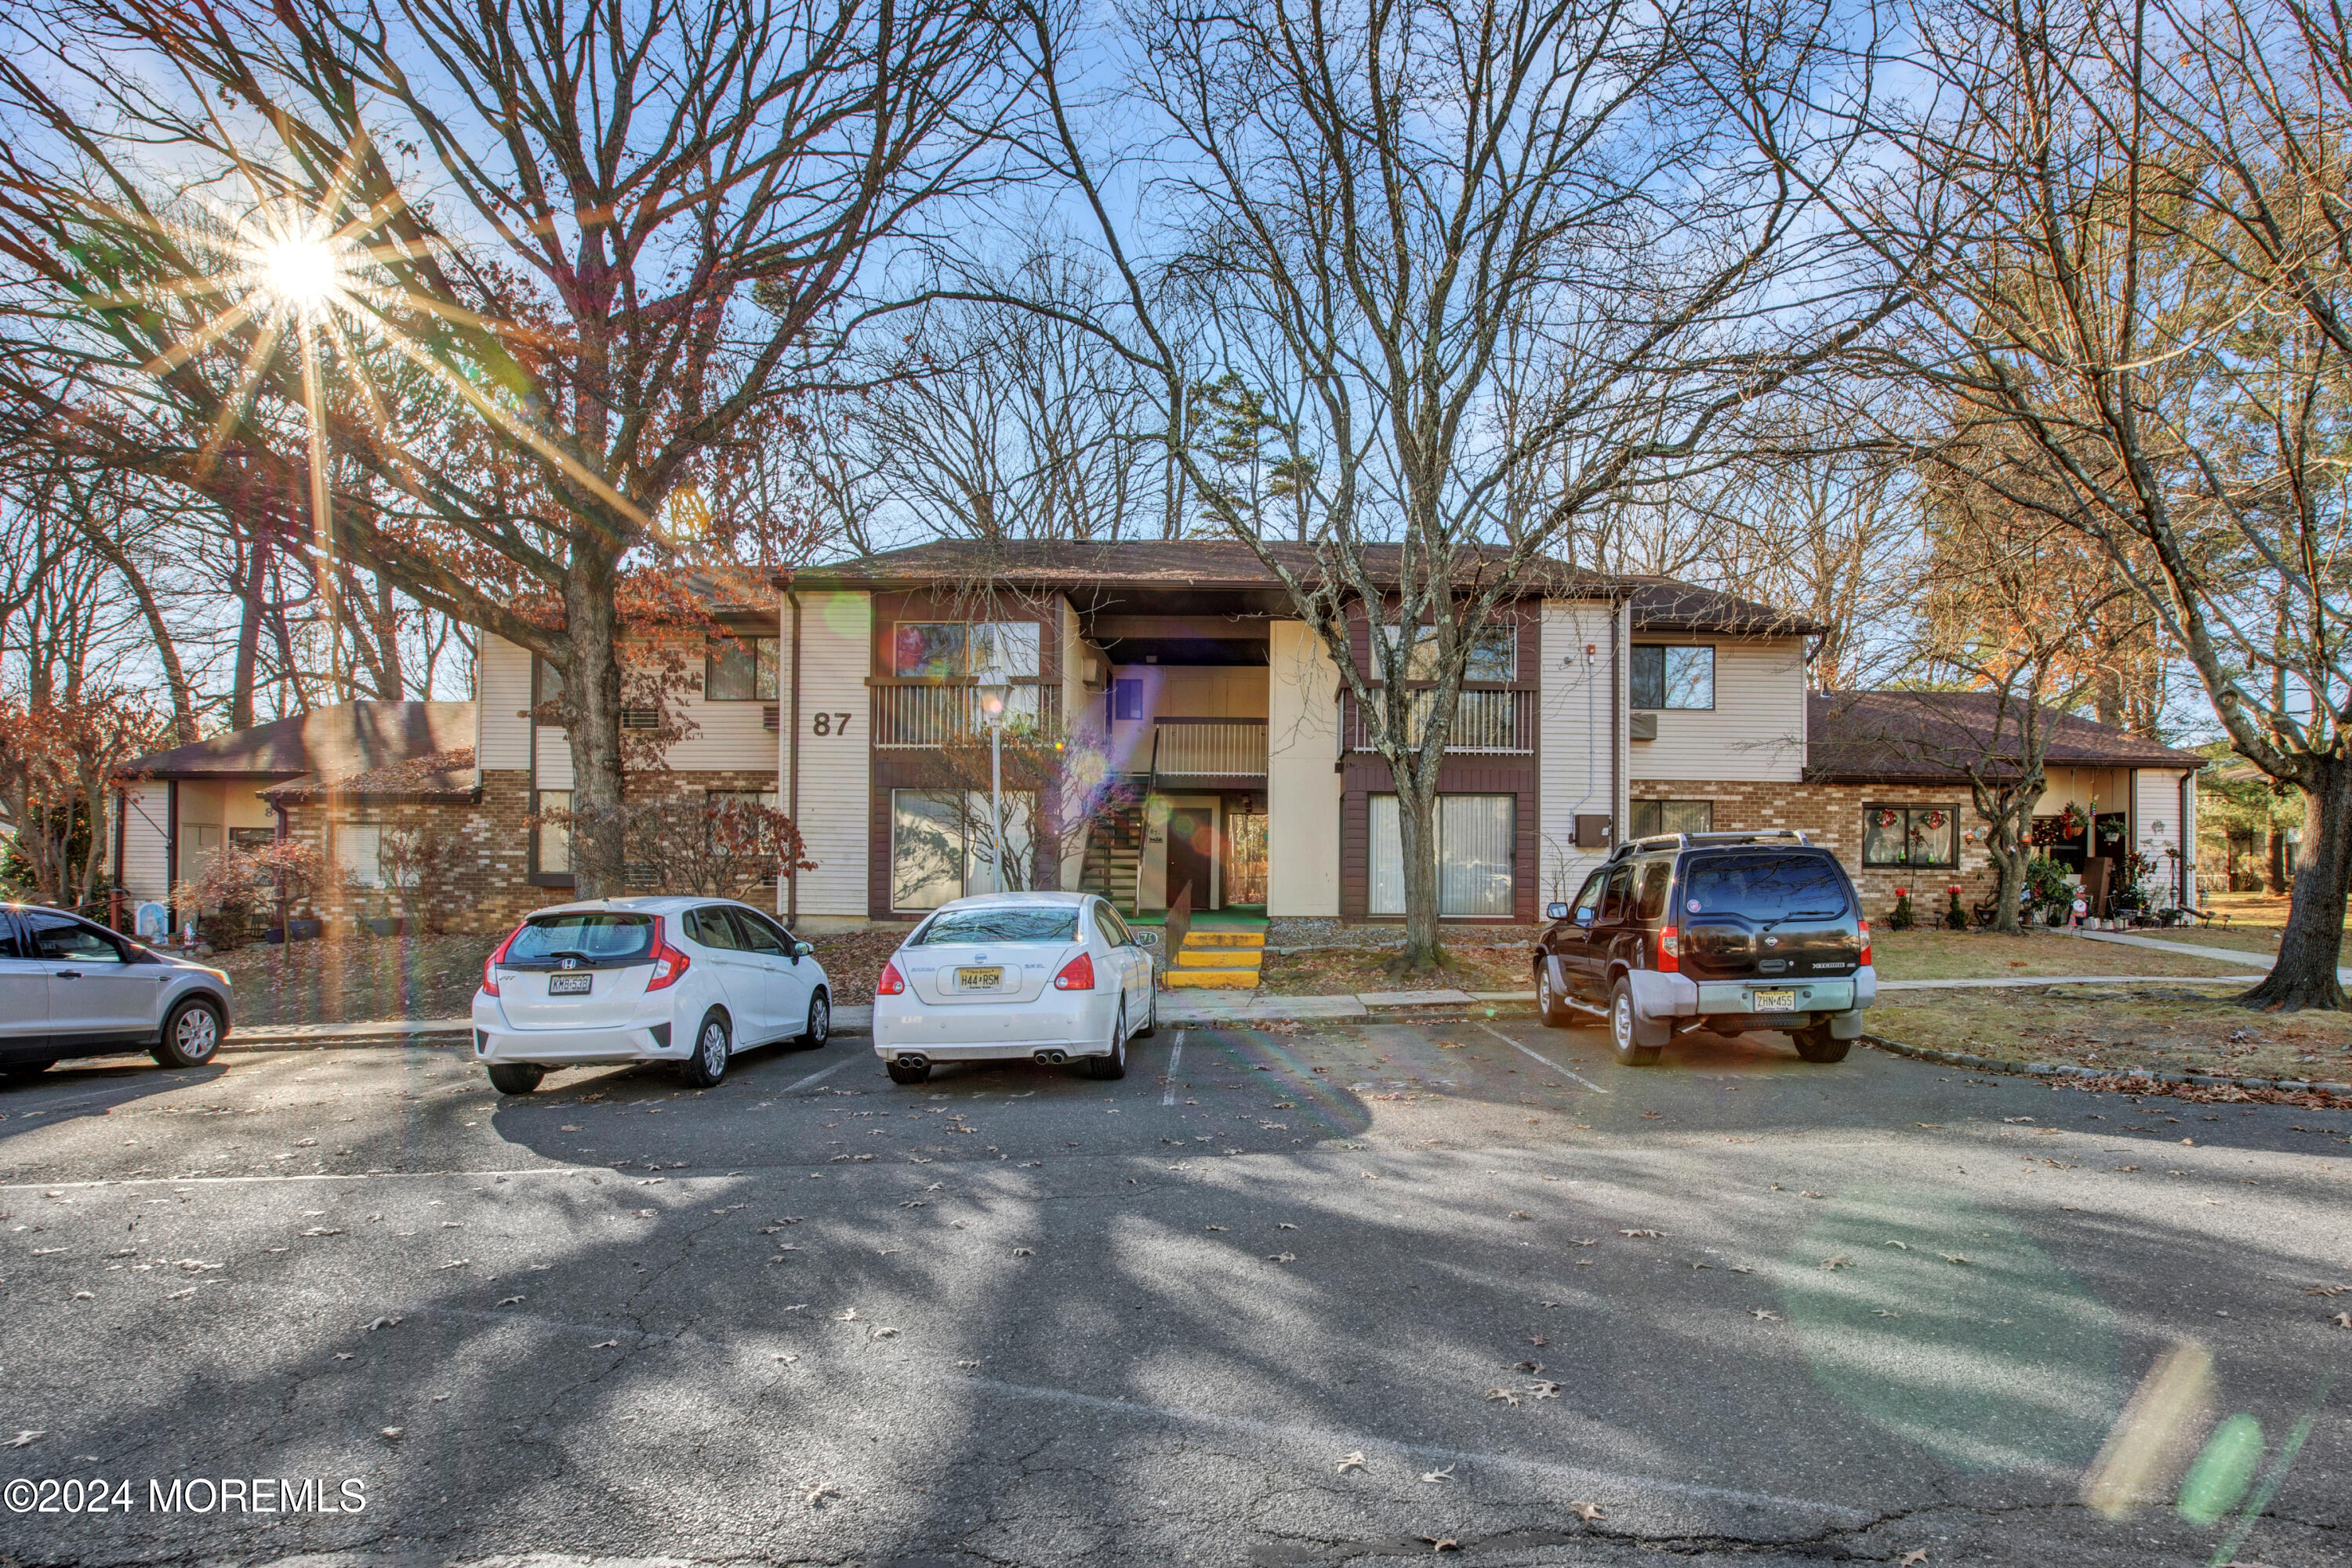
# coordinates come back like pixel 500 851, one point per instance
pixel 1384 873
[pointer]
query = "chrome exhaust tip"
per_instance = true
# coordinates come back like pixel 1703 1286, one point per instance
pixel 912 1060
pixel 1053 1058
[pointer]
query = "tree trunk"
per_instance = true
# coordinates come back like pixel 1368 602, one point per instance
pixel 248 633
pixel 2275 860
pixel 592 693
pixel 2304 974
pixel 1417 844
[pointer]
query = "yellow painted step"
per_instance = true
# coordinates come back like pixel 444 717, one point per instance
pixel 1213 979
pixel 1225 939
pixel 1219 957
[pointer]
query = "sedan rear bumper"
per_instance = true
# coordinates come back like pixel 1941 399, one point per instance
pixel 1079 1027
pixel 637 1041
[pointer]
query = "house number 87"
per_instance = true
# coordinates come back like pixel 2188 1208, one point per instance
pixel 832 723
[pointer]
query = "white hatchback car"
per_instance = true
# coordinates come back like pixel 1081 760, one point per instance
pixel 1050 977
pixel 690 980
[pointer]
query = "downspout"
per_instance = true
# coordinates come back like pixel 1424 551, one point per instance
pixel 114 889
pixel 792 784
pixel 2184 889
pixel 170 857
pixel 1619 613
pixel 285 926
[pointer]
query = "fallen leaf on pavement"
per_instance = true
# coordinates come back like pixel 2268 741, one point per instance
pixel 814 1495
pixel 392 1434
pixel 1912 1559
pixel 1354 1462
pixel 2342 1320
pixel 509 1300
pixel 1545 1390
pixel 1443 1543
pixel 383 1322
pixel 1444 1475
pixel 606 1345
pixel 1584 1511
pixel 883 1332
pixel 1504 1394
pixel 1951 1258
pixel 1761 1316
pixel 1520 1214
pixel 1840 1261
pixel 1654 1235
pixel 1282 1258
pixel 26 1439
pixel 1024 1252
pixel 846 1316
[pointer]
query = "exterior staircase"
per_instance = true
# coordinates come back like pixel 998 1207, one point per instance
pixel 1218 959
pixel 1113 852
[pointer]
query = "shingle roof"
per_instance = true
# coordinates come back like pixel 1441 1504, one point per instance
pixel 1927 737
pixel 448 775
pixel 347 739
pixel 1660 604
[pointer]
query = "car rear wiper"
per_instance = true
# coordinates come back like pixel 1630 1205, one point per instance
pixel 1800 915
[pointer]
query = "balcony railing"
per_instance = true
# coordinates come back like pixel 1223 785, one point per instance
pixel 1208 748
pixel 949 715
pixel 1484 722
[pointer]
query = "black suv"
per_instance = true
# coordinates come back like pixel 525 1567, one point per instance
pixel 1725 931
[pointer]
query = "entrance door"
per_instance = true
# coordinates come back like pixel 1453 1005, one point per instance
pixel 1246 858
pixel 1192 854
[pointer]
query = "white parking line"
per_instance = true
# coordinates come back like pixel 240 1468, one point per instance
pixel 816 1077
pixel 1174 1057
pixel 1546 1060
pixel 291 1179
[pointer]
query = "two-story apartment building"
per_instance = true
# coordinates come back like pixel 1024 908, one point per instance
pixel 1203 735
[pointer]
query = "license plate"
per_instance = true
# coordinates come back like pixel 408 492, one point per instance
pixel 979 979
pixel 1772 1001
pixel 569 984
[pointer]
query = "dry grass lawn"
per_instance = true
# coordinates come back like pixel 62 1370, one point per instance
pixel 1472 966
pixel 2181 1029
pixel 1980 955
pixel 356 980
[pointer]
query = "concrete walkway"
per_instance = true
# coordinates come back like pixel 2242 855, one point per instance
pixel 2156 945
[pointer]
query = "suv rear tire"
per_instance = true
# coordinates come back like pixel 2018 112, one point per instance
pixel 1817 1045
pixel 1622 1026
pixel 1548 1001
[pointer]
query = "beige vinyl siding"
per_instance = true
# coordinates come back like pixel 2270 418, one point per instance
pixel 1755 729
pixel 836 772
pixel 502 696
pixel 1573 725
pixel 2156 797
pixel 146 840
pixel 1302 791
pixel 727 736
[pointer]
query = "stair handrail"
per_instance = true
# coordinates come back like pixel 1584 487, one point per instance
pixel 1180 921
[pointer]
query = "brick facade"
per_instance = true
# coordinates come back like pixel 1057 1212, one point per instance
pixel 1830 814
pixel 492 887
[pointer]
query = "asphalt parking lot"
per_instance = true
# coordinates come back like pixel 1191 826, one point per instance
pixel 1341 1295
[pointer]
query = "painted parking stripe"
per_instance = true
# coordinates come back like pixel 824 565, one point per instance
pixel 817 1077
pixel 1174 1057
pixel 1545 1059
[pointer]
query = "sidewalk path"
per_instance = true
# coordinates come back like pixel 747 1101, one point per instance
pixel 2156 945
pixel 1214 1006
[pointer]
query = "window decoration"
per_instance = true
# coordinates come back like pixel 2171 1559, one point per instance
pixel 1910 836
pixel 943 650
pixel 741 669
pixel 1475 852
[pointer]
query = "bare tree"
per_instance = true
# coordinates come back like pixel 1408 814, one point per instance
pixel 560 256
pixel 1408 211
pixel 2134 293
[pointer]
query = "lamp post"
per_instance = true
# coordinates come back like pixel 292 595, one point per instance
pixel 995 688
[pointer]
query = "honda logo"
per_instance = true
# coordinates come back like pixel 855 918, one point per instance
pixel 571 963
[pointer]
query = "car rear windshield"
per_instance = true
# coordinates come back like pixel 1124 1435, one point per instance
pixel 1766 887
pixel 1000 925
pixel 584 933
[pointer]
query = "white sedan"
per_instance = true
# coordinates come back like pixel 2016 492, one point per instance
pixel 690 980
pixel 1049 977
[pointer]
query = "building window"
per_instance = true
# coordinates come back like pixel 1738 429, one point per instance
pixel 1494 653
pixel 941 843
pixel 1914 835
pixel 551 841
pixel 1126 701
pixel 938 650
pixel 741 669
pixel 359 853
pixel 1476 836
pixel 1672 676
pixel 1673 816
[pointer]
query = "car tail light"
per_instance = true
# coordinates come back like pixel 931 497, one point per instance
pixel 1862 931
pixel 490 965
pixel 1078 975
pixel 892 982
pixel 668 963
pixel 1670 950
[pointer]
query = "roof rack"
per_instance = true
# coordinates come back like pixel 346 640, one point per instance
pixel 1701 840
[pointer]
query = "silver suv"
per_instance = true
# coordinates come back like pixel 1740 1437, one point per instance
pixel 72 988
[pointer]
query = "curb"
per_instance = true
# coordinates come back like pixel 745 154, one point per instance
pixel 2062 1069
pixel 446 1039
